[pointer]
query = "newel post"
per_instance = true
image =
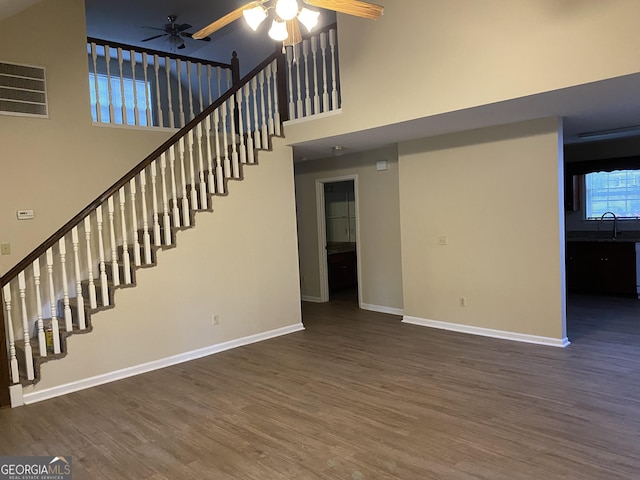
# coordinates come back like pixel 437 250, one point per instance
pixel 283 106
pixel 5 382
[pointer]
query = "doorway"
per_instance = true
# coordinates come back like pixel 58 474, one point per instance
pixel 338 238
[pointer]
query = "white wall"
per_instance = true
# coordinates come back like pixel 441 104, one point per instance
pixel 56 166
pixel 239 262
pixel 379 241
pixel 496 195
pixel 428 57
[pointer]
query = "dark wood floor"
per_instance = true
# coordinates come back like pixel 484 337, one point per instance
pixel 357 396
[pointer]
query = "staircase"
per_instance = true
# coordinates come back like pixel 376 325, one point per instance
pixel 53 294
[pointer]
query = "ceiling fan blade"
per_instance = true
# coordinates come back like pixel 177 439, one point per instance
pixel 180 47
pixel 350 7
pixel 190 35
pixel 293 29
pixel 154 28
pixel 224 21
pixel 154 37
pixel 183 27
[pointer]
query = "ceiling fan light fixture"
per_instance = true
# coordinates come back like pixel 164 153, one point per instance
pixel 287 9
pixel 278 31
pixel 308 18
pixel 255 16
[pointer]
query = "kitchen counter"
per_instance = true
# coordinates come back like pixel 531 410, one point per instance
pixel 603 236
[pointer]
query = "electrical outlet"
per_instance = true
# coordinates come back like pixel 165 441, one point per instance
pixel 463 302
pixel 5 249
pixel 216 319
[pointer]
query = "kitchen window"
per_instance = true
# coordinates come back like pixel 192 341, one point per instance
pixel 617 191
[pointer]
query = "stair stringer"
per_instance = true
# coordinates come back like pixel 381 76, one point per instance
pixel 239 262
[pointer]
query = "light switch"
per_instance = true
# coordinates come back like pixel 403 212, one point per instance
pixel 5 249
pixel 442 240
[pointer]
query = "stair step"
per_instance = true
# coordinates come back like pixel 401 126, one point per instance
pixel 131 256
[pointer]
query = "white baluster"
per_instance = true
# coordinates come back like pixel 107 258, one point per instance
pixel 147 91
pixel 192 193
pixel 68 319
pixel 96 88
pixel 299 104
pixel 55 327
pixel 13 360
pixel 137 261
pixel 334 72
pixel 186 214
pixel 256 121
pixel 28 353
pixel 210 160
pixel 209 83
pixel 325 91
pixel 316 80
pixel 270 128
pixel 115 268
pixel 179 75
pixel 200 86
pixel 42 341
pixel 307 96
pixel 191 115
pixel 204 201
pixel 146 237
pixel 166 221
pixel 243 148
pixel 82 324
pixel 250 146
pixel 219 77
pixel 104 288
pixel 229 79
pixel 234 150
pixel 126 259
pixel 276 108
pixel 107 59
pixel 93 301
pixel 124 103
pixel 136 110
pixel 174 196
pixel 167 67
pixel 292 105
pixel 156 216
pixel 156 66
pixel 219 162
pixel 225 141
pixel 263 110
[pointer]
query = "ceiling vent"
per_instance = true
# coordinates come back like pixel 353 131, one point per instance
pixel 23 90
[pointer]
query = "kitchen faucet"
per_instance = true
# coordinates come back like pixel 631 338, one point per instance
pixel 615 223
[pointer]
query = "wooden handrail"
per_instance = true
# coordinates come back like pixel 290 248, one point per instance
pixel 149 51
pixel 64 230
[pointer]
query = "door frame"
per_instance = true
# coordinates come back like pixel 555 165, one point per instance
pixel 322 234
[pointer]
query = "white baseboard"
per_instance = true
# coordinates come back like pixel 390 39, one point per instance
pixel 309 298
pixel 59 390
pixel 488 332
pixel 382 309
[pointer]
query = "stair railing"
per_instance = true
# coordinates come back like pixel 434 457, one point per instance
pixel 142 87
pixel 53 291
pixel 313 85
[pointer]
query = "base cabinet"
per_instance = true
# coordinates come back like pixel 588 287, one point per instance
pixel 342 270
pixel 607 268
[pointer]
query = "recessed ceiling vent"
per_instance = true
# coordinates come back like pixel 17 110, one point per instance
pixel 23 90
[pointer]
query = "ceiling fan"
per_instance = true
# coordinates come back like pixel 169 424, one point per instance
pixel 175 32
pixel 285 26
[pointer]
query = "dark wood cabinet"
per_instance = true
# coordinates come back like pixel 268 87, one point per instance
pixel 601 267
pixel 342 270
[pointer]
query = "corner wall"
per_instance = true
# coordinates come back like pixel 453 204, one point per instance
pixel 381 270
pixel 239 262
pixel 496 195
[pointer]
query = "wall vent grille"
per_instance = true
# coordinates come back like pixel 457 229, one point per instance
pixel 23 90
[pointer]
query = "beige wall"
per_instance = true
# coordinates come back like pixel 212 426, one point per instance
pixel 239 262
pixel 56 166
pixel 426 57
pixel 496 196
pixel 381 273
